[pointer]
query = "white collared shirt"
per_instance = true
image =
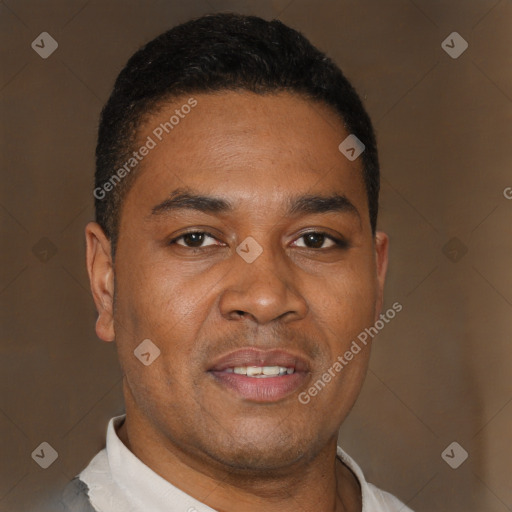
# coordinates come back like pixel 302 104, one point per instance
pixel 118 481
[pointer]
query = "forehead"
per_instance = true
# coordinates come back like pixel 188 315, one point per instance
pixel 250 147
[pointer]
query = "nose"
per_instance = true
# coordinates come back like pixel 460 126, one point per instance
pixel 264 290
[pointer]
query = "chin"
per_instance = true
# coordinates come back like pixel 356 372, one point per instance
pixel 258 460
pixel 262 452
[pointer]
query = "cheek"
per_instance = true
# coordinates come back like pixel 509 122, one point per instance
pixel 154 307
pixel 155 295
pixel 160 302
pixel 347 298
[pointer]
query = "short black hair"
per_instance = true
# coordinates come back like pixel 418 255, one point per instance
pixel 219 52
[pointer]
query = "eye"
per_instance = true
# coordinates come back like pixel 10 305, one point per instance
pixel 194 239
pixel 316 240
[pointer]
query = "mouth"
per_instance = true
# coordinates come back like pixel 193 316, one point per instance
pixel 262 372
pixel 261 375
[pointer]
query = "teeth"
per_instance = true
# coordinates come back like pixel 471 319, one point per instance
pixel 261 371
pixel 252 371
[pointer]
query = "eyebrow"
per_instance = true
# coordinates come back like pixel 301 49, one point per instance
pixel 298 205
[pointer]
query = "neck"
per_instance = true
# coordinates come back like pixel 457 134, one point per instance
pixel 323 483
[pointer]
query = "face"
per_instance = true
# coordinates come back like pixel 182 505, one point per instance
pixel 244 241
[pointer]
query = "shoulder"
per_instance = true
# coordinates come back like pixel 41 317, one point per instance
pixel 75 497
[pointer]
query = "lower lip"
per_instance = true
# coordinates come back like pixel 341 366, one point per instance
pixel 267 389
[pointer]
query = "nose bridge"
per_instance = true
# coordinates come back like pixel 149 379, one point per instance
pixel 261 283
pixel 267 267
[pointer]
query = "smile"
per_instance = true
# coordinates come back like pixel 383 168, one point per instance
pixel 260 375
pixel 261 371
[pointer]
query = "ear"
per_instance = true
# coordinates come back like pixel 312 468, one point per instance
pixel 101 277
pixel 381 244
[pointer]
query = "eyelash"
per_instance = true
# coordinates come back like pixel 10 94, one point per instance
pixel 339 243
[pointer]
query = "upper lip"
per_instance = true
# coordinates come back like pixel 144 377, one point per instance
pixel 256 357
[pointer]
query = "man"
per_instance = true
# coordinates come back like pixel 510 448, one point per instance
pixel 234 261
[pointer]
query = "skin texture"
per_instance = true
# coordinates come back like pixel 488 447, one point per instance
pixel 197 304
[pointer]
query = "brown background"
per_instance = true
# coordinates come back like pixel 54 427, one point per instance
pixel 440 371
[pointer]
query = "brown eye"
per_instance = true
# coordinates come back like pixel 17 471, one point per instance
pixel 316 240
pixel 194 239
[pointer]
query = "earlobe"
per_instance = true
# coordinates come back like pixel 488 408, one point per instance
pixel 381 261
pixel 101 277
